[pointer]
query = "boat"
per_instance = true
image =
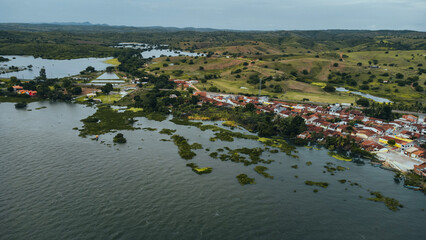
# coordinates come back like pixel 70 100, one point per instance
pixel 412 187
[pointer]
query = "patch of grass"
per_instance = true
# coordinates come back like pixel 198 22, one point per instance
pixel 113 61
pixel 109 99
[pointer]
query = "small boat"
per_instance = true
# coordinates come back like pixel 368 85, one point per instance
pixel 412 187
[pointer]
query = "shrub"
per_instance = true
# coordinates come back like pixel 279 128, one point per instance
pixel 119 138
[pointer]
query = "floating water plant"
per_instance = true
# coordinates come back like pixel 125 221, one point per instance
pixel 106 119
pixel 183 146
pixel 149 129
pixel 198 170
pixel 319 184
pixel 342 181
pixel 339 157
pixel 243 179
pixel 294 166
pixel 167 131
pixel 261 170
pixel 196 146
pixel 308 163
pixel 391 203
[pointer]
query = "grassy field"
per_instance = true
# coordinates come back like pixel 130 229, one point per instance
pixel 113 61
pixel 109 99
pixel 304 72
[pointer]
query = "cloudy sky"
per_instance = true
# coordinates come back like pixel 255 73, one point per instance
pixel 225 14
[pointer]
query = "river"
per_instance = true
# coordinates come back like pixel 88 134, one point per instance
pixel 57 185
pixel 54 68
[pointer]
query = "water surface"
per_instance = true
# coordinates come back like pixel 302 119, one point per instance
pixel 54 68
pixel 57 185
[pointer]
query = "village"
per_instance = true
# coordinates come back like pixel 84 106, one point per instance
pixel 396 143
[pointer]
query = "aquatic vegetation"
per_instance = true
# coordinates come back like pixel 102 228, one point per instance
pixel 295 166
pixel 340 157
pixel 229 124
pixel 261 170
pixel 315 190
pixel 133 109
pixel 40 108
pixel 319 184
pixel 278 143
pixel 243 179
pixel 167 131
pixel 198 170
pixel 308 163
pixel 274 151
pixel 237 155
pixel 213 154
pixel 184 147
pixel 354 184
pixel 391 203
pixel 119 138
pixel 196 146
pixel 185 122
pixel 342 181
pixel 332 168
pixel 414 180
pixel 165 140
pixel 20 105
pixel 106 119
pixel 149 129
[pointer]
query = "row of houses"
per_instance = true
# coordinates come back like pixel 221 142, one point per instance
pixel 20 90
pixel 372 134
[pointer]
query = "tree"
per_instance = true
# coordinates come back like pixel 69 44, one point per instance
pixel 359 64
pixel 305 72
pixel 42 75
pixel 278 89
pixel 329 88
pixel 90 69
pixel 335 64
pixel 363 102
pixel 399 76
pixel 391 142
pixel 76 91
pixel 107 88
pixel 109 69
pixel 250 107
pixel 66 83
pixel 119 138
